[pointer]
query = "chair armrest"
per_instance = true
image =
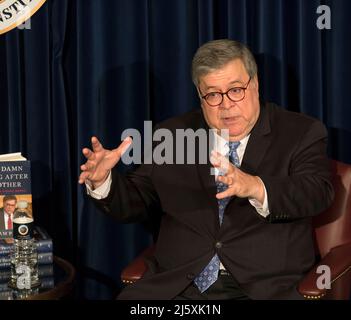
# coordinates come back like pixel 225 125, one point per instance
pixel 134 271
pixel 339 261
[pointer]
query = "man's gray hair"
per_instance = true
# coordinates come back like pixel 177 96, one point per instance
pixel 215 54
pixel 9 197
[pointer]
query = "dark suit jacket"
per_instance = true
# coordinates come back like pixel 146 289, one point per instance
pixel 267 256
pixel 2 221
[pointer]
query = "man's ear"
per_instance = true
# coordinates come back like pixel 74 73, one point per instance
pixel 198 92
pixel 257 86
pixel 256 81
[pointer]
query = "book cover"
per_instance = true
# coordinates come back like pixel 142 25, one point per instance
pixel 43 241
pixel 15 185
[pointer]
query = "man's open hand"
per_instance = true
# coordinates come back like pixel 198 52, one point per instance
pixel 239 183
pixel 100 161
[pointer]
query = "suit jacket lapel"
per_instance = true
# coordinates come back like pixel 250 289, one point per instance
pixel 258 143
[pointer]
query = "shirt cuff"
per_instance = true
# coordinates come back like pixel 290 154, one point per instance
pixel 261 209
pixel 102 191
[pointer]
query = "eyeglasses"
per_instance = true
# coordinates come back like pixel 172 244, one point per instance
pixel 234 94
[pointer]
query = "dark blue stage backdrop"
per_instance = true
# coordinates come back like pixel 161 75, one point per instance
pixel 97 67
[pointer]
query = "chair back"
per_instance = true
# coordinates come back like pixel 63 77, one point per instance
pixel 333 226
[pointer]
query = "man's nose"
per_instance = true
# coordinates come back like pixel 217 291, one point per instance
pixel 227 103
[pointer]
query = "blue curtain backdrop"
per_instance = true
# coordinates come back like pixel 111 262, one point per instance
pixel 97 67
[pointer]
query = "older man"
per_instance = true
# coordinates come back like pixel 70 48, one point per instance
pixel 6 212
pixel 245 234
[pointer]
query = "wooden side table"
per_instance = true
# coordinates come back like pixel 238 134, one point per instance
pixel 62 284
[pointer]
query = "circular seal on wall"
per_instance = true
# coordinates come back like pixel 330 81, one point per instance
pixel 15 12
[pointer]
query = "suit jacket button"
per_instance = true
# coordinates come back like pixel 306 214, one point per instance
pixel 218 245
pixel 106 208
pixel 190 276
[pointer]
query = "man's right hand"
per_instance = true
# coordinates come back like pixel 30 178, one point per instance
pixel 100 161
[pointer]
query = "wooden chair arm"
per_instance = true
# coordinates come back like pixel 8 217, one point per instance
pixel 134 271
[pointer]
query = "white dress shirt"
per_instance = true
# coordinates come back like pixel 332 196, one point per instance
pixel 6 219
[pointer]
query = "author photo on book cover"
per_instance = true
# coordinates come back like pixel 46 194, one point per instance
pixel 9 203
pixel 9 207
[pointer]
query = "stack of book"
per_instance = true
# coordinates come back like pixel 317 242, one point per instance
pixel 44 248
pixel 46 276
pixel 45 262
pixel 15 186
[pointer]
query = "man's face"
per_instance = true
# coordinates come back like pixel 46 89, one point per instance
pixel 10 206
pixel 238 117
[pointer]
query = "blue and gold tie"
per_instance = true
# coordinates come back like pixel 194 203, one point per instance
pixel 210 274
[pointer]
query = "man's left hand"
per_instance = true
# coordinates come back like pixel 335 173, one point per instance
pixel 239 183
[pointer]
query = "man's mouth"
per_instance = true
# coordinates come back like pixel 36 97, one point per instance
pixel 230 119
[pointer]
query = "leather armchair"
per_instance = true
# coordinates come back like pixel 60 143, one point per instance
pixel 333 241
pixel 332 230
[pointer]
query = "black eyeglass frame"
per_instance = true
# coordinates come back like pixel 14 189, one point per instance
pixel 225 93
